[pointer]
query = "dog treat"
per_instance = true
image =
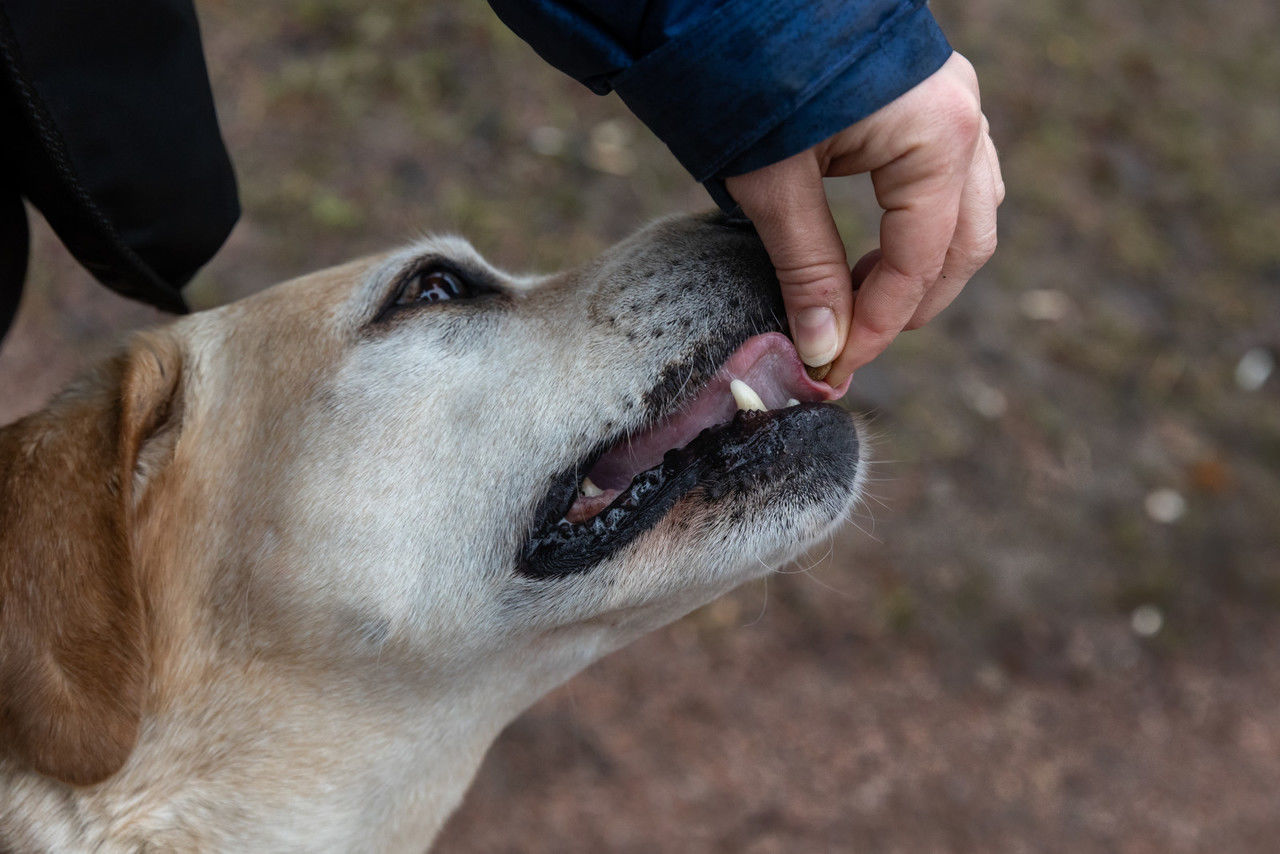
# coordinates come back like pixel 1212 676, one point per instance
pixel 818 373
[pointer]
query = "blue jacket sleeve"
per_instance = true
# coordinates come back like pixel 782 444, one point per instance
pixel 733 85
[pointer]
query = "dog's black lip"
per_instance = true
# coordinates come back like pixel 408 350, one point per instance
pixel 721 458
pixel 679 381
pixel 564 489
pixel 752 306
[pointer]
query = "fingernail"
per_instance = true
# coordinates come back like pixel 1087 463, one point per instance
pixel 816 335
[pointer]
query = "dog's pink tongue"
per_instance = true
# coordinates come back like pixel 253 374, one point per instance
pixel 768 363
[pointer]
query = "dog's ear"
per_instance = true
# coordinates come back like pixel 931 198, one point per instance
pixel 73 629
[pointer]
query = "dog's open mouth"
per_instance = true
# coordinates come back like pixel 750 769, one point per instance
pixel 754 414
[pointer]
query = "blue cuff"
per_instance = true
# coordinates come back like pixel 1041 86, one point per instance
pixel 752 83
pixel 909 51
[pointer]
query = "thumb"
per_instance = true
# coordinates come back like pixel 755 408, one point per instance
pixel 788 205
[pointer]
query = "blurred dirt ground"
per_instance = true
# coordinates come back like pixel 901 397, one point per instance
pixel 1054 627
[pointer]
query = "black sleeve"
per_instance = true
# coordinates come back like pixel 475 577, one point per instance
pixel 107 126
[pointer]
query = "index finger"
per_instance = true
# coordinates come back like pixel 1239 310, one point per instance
pixel 788 205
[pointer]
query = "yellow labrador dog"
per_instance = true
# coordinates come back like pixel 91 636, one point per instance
pixel 275 577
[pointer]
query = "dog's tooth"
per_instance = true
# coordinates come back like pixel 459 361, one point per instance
pixel 589 489
pixel 745 396
pixel 791 401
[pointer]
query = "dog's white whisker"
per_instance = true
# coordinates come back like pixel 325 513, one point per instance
pixel 764 601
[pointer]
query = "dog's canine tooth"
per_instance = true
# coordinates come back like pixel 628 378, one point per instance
pixel 791 401
pixel 745 396
pixel 589 489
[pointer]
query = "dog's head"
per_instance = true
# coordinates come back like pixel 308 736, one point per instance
pixel 416 466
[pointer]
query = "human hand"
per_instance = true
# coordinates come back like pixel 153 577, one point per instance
pixel 937 177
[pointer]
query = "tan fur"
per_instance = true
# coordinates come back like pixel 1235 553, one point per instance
pixel 256 573
pixel 73 635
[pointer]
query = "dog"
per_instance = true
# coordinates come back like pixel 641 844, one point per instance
pixel 275 576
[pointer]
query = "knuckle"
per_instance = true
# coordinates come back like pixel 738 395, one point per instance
pixel 972 259
pixel 881 326
pixel 965 71
pixel 985 247
pixel 914 286
pixel 960 115
pixel 932 274
pixel 965 259
pixel 823 277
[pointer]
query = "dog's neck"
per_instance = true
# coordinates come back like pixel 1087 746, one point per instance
pixel 320 766
pixel 248 744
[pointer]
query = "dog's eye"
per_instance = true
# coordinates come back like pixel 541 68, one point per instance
pixel 432 285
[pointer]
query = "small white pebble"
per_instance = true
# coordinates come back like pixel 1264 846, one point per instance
pixel 1254 368
pixel 1044 304
pixel 611 132
pixel 1146 621
pixel 1165 505
pixel 992 678
pixel 986 400
pixel 610 149
pixel 547 140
